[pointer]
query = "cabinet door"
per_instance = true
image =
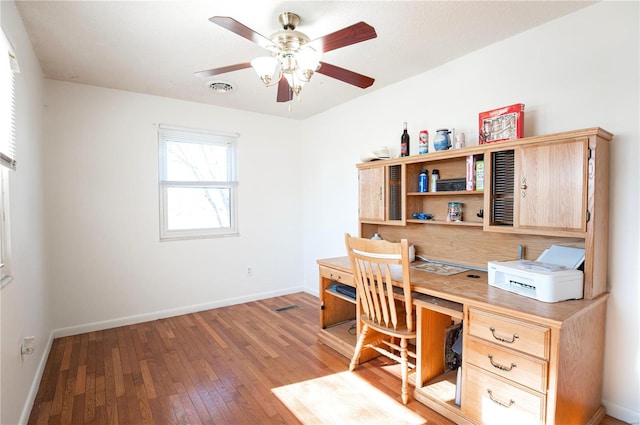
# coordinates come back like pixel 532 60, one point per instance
pixel 371 193
pixel 551 186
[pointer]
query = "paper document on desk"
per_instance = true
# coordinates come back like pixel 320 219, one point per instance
pixel 439 268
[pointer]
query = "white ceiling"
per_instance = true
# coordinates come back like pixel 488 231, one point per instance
pixel 155 47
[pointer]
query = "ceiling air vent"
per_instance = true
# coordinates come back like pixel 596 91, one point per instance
pixel 221 87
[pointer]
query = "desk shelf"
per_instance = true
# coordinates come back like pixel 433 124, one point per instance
pixel 440 395
pixel 446 223
pixel 340 295
pixel 340 336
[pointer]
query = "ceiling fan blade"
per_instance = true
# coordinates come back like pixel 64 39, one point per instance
pixel 222 70
pixel 242 30
pixel 345 75
pixel 356 33
pixel 285 93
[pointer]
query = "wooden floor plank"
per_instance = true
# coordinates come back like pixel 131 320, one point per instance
pixel 217 366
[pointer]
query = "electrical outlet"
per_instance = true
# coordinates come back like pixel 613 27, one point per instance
pixel 249 271
pixel 27 345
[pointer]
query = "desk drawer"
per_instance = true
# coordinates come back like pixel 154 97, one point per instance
pixel 515 334
pixel 491 400
pixel 337 275
pixel 528 371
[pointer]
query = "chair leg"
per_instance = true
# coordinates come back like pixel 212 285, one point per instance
pixel 404 367
pixel 356 352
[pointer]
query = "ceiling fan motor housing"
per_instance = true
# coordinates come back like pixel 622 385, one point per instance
pixel 288 42
pixel 289 20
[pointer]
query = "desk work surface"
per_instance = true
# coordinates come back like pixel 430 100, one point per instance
pixel 471 288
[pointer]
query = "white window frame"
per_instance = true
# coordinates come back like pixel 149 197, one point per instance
pixel 8 70
pixel 167 133
pixel 5 235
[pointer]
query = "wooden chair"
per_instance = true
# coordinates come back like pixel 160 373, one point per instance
pixel 387 310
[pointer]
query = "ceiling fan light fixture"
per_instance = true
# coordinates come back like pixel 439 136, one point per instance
pixel 294 56
pixel 308 61
pixel 295 82
pixel 265 67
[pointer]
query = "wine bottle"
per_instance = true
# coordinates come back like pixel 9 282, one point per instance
pixel 404 142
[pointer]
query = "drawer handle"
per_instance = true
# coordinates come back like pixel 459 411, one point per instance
pixel 513 339
pixel 499 366
pixel 511 402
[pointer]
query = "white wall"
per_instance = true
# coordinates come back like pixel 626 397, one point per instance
pixel 25 309
pixel 576 72
pixel 107 263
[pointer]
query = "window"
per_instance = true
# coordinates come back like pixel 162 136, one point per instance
pixel 8 70
pixel 198 187
pixel 5 245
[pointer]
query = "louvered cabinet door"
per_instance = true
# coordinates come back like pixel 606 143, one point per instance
pixel 551 186
pixel 501 188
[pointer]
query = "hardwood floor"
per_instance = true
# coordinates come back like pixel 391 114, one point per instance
pixel 212 367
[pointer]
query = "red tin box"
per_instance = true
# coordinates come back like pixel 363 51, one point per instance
pixel 506 123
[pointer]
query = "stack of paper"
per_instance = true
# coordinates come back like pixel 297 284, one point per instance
pixel 564 256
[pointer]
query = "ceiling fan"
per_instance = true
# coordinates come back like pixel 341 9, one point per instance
pixel 294 56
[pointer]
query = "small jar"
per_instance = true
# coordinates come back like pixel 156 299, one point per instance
pixel 443 140
pixel 454 212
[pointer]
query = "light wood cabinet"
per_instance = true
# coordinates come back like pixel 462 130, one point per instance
pixel 506 365
pixel 371 190
pixel 551 182
pixel 538 191
pixel 540 188
pixel 337 311
pixel 436 203
pixel 381 194
pixel 545 357
pixel 524 361
pixel 339 328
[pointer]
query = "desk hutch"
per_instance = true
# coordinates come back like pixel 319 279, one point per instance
pixel 523 361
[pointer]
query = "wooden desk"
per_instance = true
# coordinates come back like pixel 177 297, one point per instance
pixel 532 361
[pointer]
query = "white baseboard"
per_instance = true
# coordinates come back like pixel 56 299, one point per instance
pixel 622 413
pixel 312 291
pixel 130 320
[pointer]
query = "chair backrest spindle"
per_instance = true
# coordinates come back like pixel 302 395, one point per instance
pixel 376 265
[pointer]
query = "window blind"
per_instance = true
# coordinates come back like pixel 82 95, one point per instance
pixel 8 69
pixel 186 135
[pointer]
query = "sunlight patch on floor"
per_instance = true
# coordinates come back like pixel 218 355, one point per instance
pixel 343 398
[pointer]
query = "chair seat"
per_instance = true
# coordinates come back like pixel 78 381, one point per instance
pixel 400 332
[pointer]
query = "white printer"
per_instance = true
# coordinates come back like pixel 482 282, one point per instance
pixel 551 278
